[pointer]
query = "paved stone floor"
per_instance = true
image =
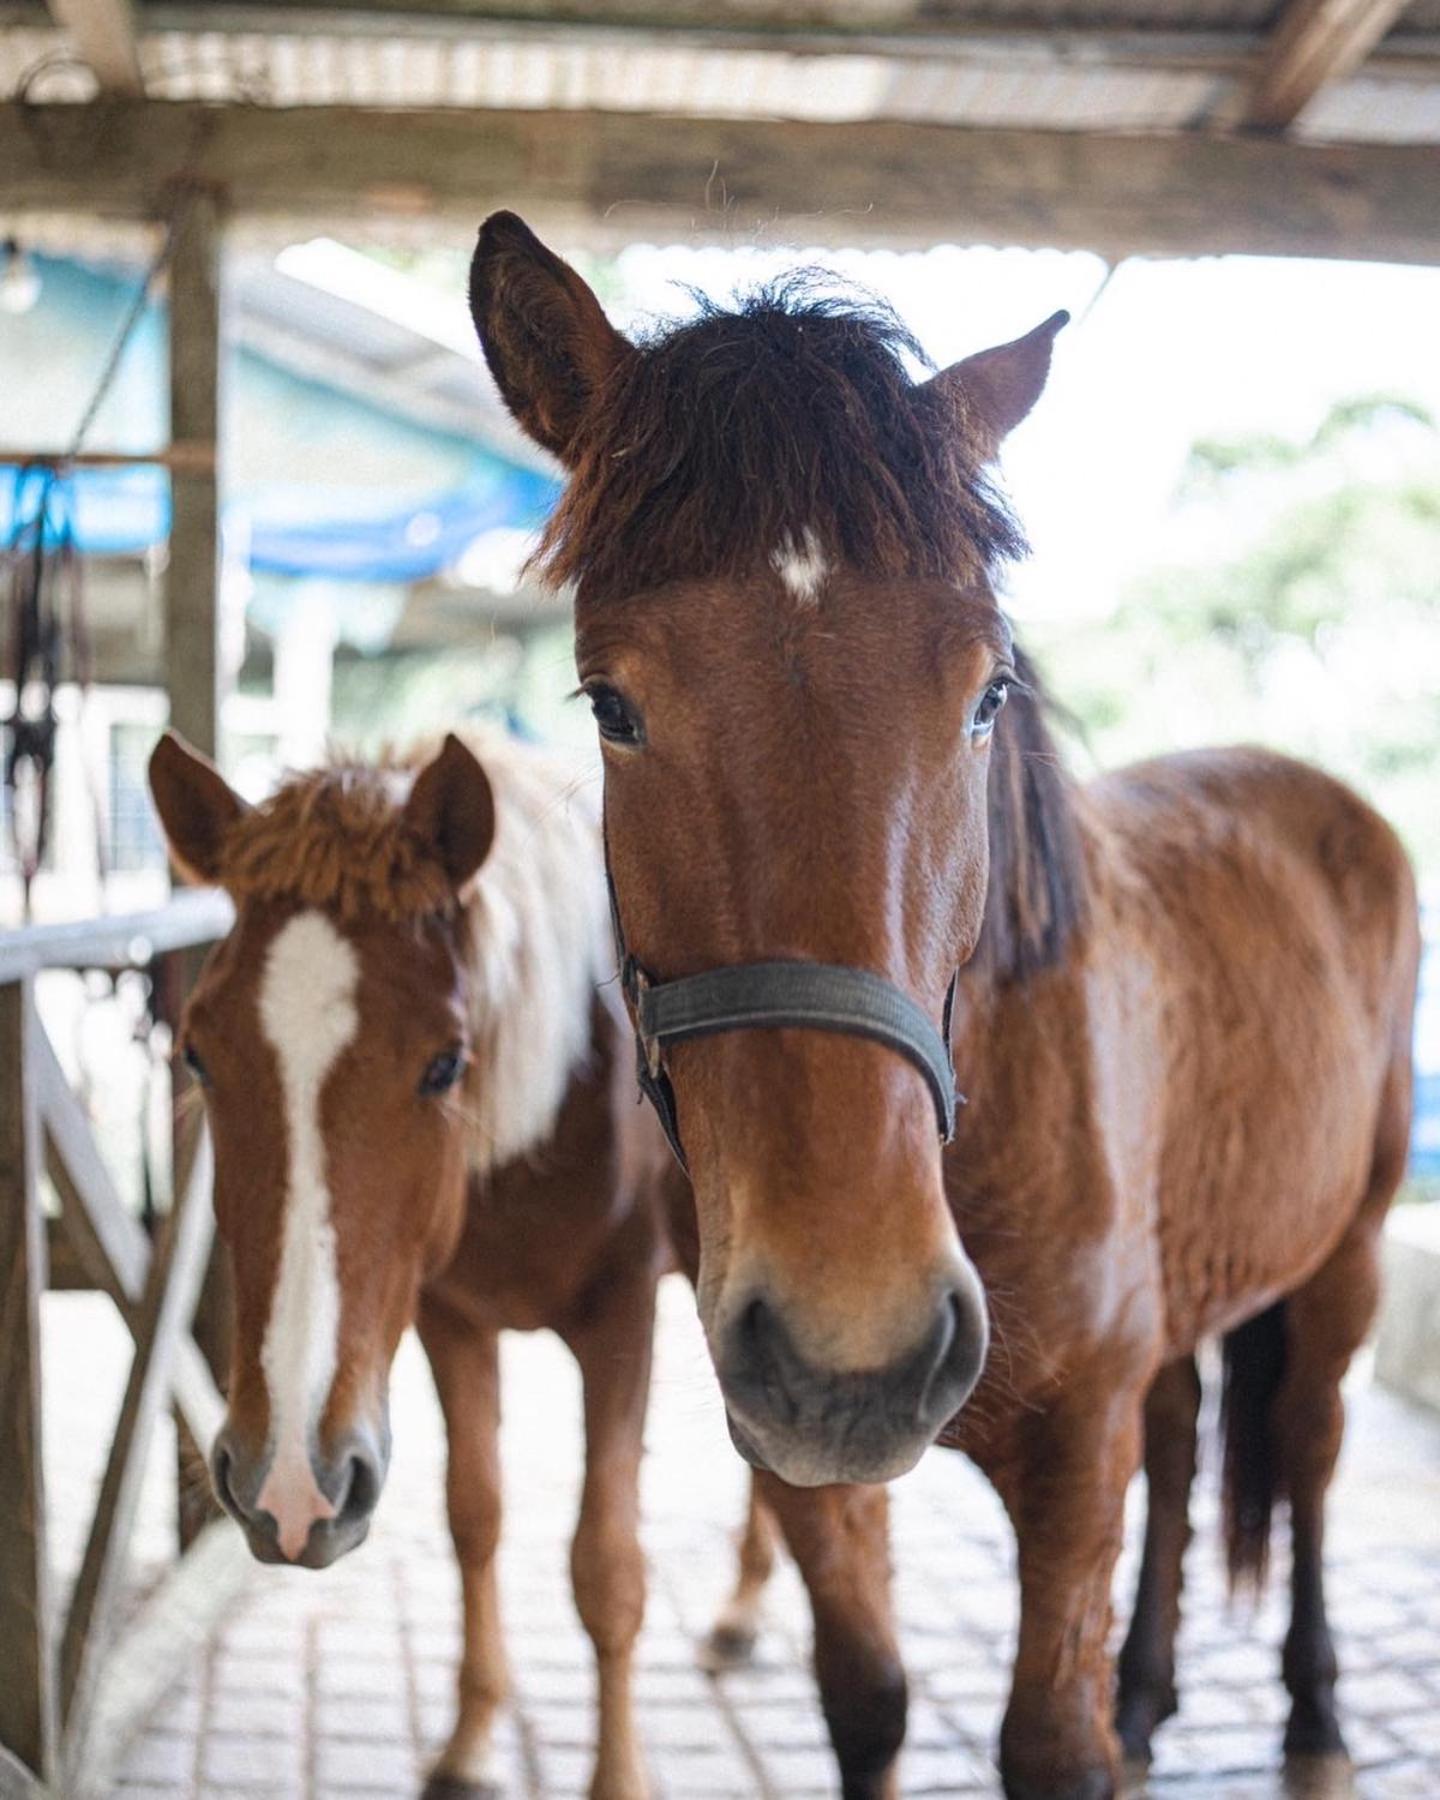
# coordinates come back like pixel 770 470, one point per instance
pixel 340 1684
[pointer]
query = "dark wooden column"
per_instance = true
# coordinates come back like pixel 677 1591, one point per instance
pixel 194 679
pixel 27 1648
pixel 192 582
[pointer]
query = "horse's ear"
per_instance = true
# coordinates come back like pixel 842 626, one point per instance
pixel 544 334
pixel 197 806
pixel 998 387
pixel 451 810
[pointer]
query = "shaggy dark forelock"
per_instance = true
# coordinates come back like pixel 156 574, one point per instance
pixel 737 434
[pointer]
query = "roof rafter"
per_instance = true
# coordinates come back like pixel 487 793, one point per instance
pixel 1314 42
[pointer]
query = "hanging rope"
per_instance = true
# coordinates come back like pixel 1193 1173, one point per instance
pixel 41 570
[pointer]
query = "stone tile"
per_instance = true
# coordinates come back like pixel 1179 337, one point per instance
pixel 565 1769
pixel 1419 1732
pixel 250 1762
pixel 945 1769
pixel 353 1678
pixel 365 1767
pixel 1384 1692
pixel 1411 1780
pixel 374 1718
pixel 257 1715
pixel 250 1674
pixel 716 1766
pixel 162 1758
pixel 797 1771
pixel 178 1712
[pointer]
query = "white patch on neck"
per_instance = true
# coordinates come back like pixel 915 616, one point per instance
pixel 802 566
pixel 543 947
pixel 308 1016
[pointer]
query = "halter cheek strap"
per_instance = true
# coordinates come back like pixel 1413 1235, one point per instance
pixel 775 995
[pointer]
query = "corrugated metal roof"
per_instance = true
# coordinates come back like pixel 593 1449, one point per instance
pixel 1044 83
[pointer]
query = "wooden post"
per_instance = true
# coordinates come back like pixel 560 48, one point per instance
pixel 194 679
pixel 161 1320
pixel 192 581
pixel 27 1690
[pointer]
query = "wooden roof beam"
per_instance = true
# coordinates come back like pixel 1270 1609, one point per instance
pixel 103 33
pixel 610 178
pixel 1314 43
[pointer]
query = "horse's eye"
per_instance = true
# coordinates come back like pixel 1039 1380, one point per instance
pixel 192 1062
pixel 616 719
pixel 991 701
pixel 443 1071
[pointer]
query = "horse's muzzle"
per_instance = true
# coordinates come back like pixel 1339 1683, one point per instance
pixel 349 1479
pixel 811 1425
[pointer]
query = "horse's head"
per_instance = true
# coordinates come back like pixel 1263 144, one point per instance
pixel 330 1032
pixel 781 548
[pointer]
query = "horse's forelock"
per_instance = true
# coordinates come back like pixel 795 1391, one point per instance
pixel 335 838
pixel 743 431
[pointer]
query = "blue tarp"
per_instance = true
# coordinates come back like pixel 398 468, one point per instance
pixel 340 533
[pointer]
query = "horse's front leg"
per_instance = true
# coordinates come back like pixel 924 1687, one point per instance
pixel 840 1538
pixel 465 1360
pixel 1064 1488
pixel 607 1567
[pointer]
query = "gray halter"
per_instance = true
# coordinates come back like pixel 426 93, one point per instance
pixel 813 996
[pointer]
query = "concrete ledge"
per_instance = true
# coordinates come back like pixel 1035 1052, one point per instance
pixel 1407 1351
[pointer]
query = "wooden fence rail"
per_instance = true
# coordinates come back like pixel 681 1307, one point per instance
pixel 72 1690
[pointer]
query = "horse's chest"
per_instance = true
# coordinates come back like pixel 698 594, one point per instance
pixel 529 1247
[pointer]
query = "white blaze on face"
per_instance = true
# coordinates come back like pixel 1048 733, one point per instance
pixel 802 566
pixel 308 1016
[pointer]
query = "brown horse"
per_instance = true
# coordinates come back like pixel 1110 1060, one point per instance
pixel 1182 1016
pixel 422 1109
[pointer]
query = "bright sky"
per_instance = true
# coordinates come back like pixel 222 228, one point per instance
pixel 1170 351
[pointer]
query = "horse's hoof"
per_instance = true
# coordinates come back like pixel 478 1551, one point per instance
pixel 870 1787
pixel 629 1787
pixel 1135 1742
pixel 1138 1714
pixel 728 1647
pixel 1314 1730
pixel 1134 1774
pixel 452 1787
pixel 1327 1777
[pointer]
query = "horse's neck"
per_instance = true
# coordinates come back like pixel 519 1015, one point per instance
pixel 1020 1042
pixel 539 923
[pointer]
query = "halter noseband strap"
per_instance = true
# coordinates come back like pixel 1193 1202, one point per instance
pixel 815 996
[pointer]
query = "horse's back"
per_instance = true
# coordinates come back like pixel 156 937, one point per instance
pixel 1273 845
pixel 1272 916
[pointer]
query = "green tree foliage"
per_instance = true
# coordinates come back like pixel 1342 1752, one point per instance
pixel 1301 608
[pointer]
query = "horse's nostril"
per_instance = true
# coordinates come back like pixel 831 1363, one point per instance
pixel 360 1490
pixel 957 1354
pixel 755 1331
pixel 220 1467
pixel 762 1356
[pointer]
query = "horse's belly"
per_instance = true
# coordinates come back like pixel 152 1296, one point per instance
pixel 1252 1214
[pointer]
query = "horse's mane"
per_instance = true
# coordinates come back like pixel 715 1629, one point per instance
pixel 743 433
pixel 1036 893
pixel 534 924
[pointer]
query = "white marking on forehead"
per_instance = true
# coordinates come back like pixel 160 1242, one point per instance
pixel 802 565
pixel 308 1016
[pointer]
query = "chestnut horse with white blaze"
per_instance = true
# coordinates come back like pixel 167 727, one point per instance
pixel 422 1109
pixel 1181 1016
